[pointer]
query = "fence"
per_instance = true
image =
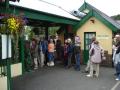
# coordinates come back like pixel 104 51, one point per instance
pixel 3 69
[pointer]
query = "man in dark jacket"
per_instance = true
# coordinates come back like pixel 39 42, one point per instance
pixel 77 53
pixel 69 52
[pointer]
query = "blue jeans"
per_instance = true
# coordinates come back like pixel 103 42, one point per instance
pixel 77 59
pixel 50 56
pixel 118 70
pixel 69 59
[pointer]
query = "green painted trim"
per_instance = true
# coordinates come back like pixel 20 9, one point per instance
pixel 85 6
pixel 104 21
pixel 33 14
pixel 84 52
pixel 82 7
pixel 99 17
pixel 9 80
pixel 96 15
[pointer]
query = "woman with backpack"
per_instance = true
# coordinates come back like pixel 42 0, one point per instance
pixel 95 59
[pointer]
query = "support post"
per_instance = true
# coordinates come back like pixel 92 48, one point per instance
pixel 7 52
pixel 46 32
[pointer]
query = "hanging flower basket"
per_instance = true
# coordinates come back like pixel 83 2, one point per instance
pixel 14 24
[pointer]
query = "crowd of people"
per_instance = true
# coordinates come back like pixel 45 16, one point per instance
pixel 46 52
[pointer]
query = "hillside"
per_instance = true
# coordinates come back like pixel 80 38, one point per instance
pixel 116 17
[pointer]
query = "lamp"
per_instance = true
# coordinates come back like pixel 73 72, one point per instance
pixel 92 20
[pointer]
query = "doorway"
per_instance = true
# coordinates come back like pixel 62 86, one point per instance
pixel 87 40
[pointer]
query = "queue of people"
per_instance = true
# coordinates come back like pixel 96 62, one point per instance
pixel 42 52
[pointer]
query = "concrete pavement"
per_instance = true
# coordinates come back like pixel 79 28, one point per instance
pixel 59 78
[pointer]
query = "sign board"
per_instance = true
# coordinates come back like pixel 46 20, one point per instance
pixel 4 46
pixel 102 36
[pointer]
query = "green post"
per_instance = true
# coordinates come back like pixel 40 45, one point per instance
pixel 46 32
pixel 7 52
pixel 22 58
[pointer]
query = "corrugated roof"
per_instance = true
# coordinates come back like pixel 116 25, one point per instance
pixel 118 21
pixel 46 7
pixel 105 16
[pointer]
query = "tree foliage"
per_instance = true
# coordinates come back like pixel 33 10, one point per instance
pixel 116 17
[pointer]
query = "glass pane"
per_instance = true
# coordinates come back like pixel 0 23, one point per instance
pixel 89 41
pixel 87 36
pixel 90 36
pixel 86 42
pixel 87 47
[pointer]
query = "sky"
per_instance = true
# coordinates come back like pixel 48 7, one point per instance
pixel 109 7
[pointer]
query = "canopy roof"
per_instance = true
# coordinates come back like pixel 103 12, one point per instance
pixel 42 6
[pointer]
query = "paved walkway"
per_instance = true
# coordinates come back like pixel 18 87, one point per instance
pixel 58 78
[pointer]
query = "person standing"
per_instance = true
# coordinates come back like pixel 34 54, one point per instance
pixel 28 62
pixel 51 49
pixel 59 49
pixel 95 59
pixel 34 52
pixel 117 60
pixel 117 57
pixel 69 52
pixel 87 69
pixel 65 53
pixel 42 51
pixel 77 53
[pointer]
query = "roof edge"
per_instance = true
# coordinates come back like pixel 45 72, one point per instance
pixel 83 20
pixel 98 16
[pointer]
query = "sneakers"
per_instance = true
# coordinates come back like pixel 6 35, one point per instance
pixel 77 68
pixel 117 79
pixel 89 75
pixel 35 68
pixel 50 63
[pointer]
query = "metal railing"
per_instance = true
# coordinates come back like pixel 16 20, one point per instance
pixel 3 68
